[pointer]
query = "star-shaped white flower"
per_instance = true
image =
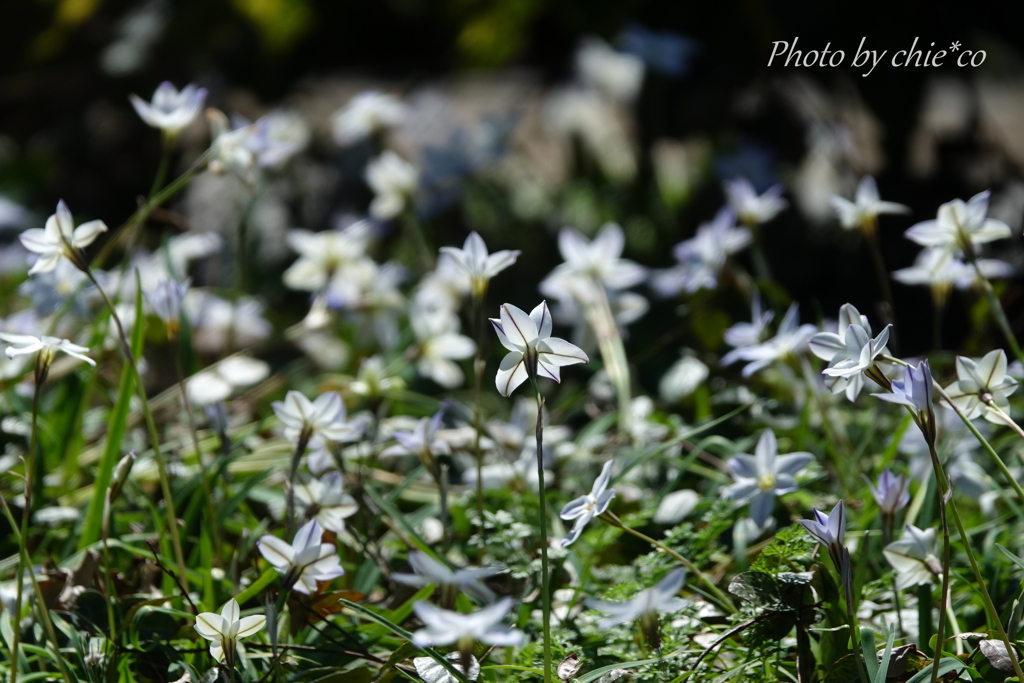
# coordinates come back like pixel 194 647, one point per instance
pixel 440 344
pixel 478 264
pixel 443 627
pixel 866 207
pixel 850 352
pixel 393 181
pixel 422 441
pixel 790 339
pixel 46 347
pixel 323 255
pixel 594 261
pixel 60 238
pixel 430 571
pixel 763 476
pixel 305 561
pixel 316 421
pixel 585 508
pixel 960 225
pixel 913 557
pixel 702 257
pixel 751 208
pixel 224 630
pixel 170 110
pixel 743 335
pixel 533 352
pixel 326 501
pixel 662 598
pixel 980 382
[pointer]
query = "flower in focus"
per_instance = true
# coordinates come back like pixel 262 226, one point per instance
pixel 314 422
pixel 60 238
pixel 585 508
pixel 829 530
pixel 439 345
pixel 645 606
pixel 913 557
pixel 443 627
pixel 170 110
pixel 224 630
pixel 430 571
pixel 850 353
pixel 45 348
pixel 983 386
pixel 763 476
pixel 891 493
pixel 478 264
pixel 751 208
pixel 533 351
pixel 867 206
pixel 305 561
pixel 915 392
pixel 325 501
pixel 960 225
pixel 702 257
pixel 366 114
pixel 789 339
pixel 393 181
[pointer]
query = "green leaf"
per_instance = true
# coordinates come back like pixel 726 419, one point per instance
pixel 759 589
pixel 946 665
pixel 867 647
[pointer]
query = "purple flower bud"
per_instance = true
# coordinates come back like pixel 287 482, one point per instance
pixel 891 492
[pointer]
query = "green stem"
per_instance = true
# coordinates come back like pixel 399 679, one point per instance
pixel 944 495
pixel 1006 418
pixel 154 435
pixel 997 311
pixel 722 598
pixel 293 470
pixel 544 587
pixel 479 365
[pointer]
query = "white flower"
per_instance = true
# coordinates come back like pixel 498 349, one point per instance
pixel 828 530
pixel 430 571
pixel 393 180
pixel 763 476
pixel 891 494
pixel 960 225
pixel 533 352
pixel 478 264
pixel 276 137
pixel 790 339
pixel 617 75
pixel 317 421
pixel 702 257
pixel 224 630
pixel 170 110
pixel 373 381
pixel 442 627
pixel 422 441
pixel 682 379
pixel 439 344
pixel 325 501
pixel 218 323
pixel 165 301
pixel 585 508
pixel 231 148
pixel 46 347
pixel 742 335
pixel 662 598
pixel 305 561
pixel 913 557
pixel 366 114
pixel 940 269
pixel 851 352
pixel 219 381
pixel 980 383
pixel 595 261
pixel 323 255
pixel 60 238
pixel 866 207
pixel 751 208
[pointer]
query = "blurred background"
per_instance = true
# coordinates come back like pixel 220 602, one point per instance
pixel 522 118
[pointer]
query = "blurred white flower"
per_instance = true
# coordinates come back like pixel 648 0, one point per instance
pixel 585 508
pixel 393 181
pixel 372 380
pixel 891 493
pixel 682 379
pixel 481 266
pixel 324 255
pixel 940 269
pixel 421 441
pixel 439 345
pixel 980 383
pixel 763 476
pixel 305 561
pixel 594 261
pixel 863 212
pixel 46 347
pixel 580 113
pixel 315 422
pixel 429 571
pixel 702 257
pixel 533 352
pixel 751 208
pixel 170 110
pixel 742 335
pixel 960 225
pixel 645 605
pixel 913 557
pixel 218 324
pixel 230 148
pixel 276 137
pixel 224 630
pixel 366 114
pixel 615 74
pixel 790 339
pixel 220 380
pixel 442 627
pixel 165 301
pixel 60 238
pixel 12 214
pixel 325 501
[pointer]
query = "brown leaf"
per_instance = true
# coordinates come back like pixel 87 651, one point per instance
pixel 569 667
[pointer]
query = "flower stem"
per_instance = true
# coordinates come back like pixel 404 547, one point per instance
pixel 300 450
pixel 851 615
pixel 598 311
pixel 722 598
pixel 997 310
pixel 154 436
pixel 944 496
pixel 545 589
pixel 479 365
pixel 1006 418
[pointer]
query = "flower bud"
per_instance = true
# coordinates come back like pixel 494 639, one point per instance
pixel 121 472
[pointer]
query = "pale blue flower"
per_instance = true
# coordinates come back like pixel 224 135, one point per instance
pixel 763 476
